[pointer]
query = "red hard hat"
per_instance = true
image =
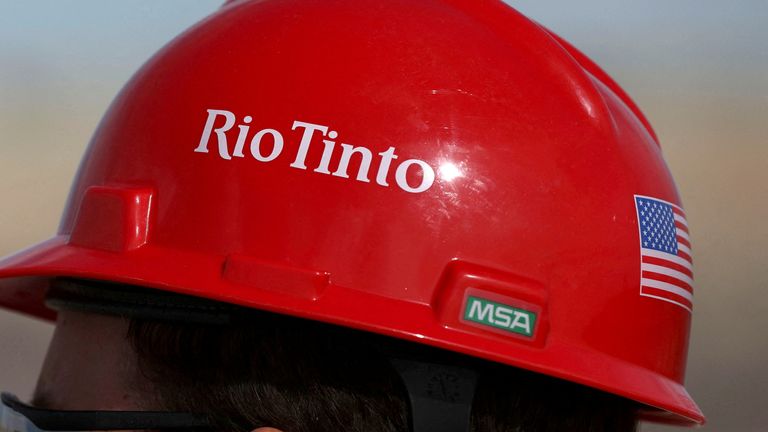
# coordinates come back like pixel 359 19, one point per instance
pixel 443 171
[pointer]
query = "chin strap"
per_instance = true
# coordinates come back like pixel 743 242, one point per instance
pixel 440 395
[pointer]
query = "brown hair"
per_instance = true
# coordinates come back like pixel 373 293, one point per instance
pixel 302 376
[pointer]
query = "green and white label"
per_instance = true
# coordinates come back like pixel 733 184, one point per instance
pixel 500 316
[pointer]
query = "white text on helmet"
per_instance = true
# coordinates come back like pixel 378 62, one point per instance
pixel 262 152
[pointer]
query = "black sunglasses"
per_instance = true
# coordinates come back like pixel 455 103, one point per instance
pixel 16 416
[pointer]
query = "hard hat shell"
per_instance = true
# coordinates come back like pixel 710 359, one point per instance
pixel 443 171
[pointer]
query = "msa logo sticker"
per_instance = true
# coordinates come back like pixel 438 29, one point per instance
pixel 500 316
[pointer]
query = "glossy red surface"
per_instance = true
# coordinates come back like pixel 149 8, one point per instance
pixel 536 156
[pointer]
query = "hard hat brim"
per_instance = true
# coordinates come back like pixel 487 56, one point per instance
pixel 24 279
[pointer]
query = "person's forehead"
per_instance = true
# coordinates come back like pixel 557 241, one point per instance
pixel 90 365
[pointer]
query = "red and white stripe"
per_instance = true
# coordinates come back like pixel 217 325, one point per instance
pixel 669 277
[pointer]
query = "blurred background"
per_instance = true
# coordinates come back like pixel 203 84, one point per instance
pixel 698 69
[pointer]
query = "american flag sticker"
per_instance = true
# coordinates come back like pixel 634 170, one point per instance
pixel 665 252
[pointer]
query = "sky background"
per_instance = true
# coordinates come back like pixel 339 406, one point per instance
pixel 697 68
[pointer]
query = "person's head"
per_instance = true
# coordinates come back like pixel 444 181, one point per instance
pixel 366 215
pixel 259 370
